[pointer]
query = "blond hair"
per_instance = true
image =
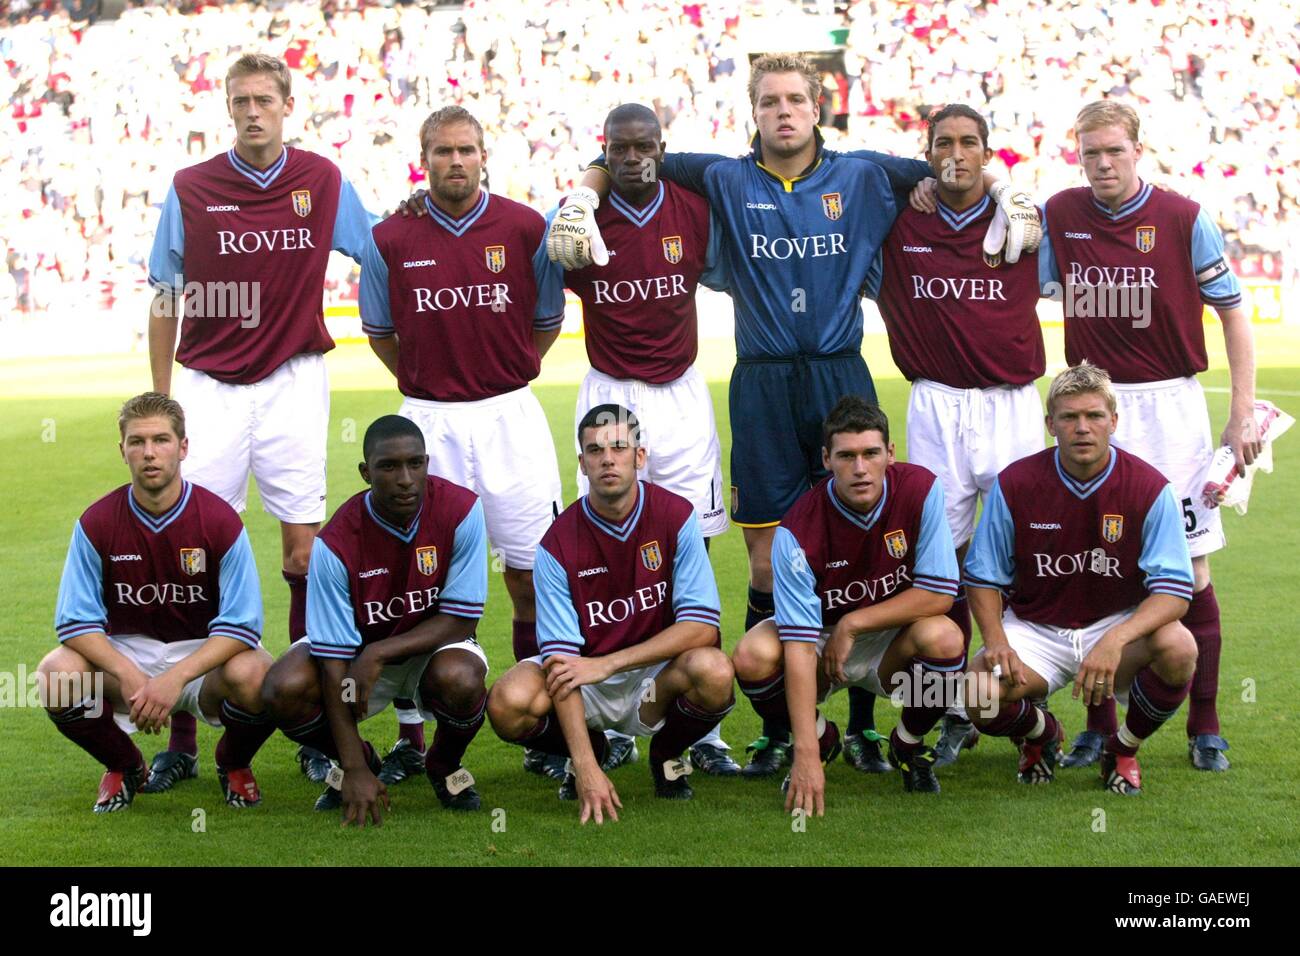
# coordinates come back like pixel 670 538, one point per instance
pixel 784 63
pixel 1082 379
pixel 1104 113
pixel 251 64
pixel 152 405
pixel 447 116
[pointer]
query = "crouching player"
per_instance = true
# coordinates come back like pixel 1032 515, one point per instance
pixel 1088 541
pixel 395 589
pixel 627 626
pixel 160 606
pixel 865 571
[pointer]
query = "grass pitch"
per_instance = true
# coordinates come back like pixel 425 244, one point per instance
pixel 58 453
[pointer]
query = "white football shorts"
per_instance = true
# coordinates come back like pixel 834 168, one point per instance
pixel 615 704
pixel 501 449
pixel 1055 653
pixel 678 432
pixel 276 429
pixel 153 657
pixel 863 665
pixel 1167 425
pixel 966 436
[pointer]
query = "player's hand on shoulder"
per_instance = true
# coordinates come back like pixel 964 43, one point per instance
pixel 413 205
pixel 807 791
pixel 151 705
pixel 1096 677
pixel 924 196
pixel 1016 226
pixel 597 797
pixel 564 674
pixel 573 239
pixel 363 793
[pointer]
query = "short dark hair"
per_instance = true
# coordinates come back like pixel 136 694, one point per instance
pixel 632 113
pixel 948 112
pixel 386 427
pixel 854 414
pixel 610 414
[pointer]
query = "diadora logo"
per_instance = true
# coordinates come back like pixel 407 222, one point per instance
pixel 1078 235
pixel 373 572
pixel 125 557
pixel 837 564
pixel 1045 525
pixel 419 263
pixel 760 205
pixel 917 249
pixel 223 209
pixel 588 572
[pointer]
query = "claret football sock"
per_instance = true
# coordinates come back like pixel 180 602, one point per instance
pixel 1020 720
pixel 314 732
pixel 548 737
pixel 862 710
pixel 99 736
pixel 297 604
pixel 1202 619
pixel 410 725
pixel 1150 703
pixel 685 723
pixel 523 635
pixel 245 734
pixel 452 736
pixel 767 696
pixel 1102 718
pixel 919 717
pixel 184 734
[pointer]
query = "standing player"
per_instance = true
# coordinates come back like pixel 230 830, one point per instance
pixel 801 225
pixel 963 329
pixel 628 618
pixel 397 586
pixel 1085 544
pixel 240 252
pixel 160 602
pixel 640 325
pixel 865 573
pixel 1164 255
pixel 461 304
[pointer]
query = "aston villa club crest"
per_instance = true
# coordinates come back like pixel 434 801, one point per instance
pixel 831 206
pixel 673 249
pixel 426 559
pixel 1146 238
pixel 1112 527
pixel 302 202
pixel 651 556
pixel 896 544
pixel 495 256
pixel 194 560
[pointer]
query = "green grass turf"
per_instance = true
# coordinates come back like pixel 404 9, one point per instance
pixel 1248 816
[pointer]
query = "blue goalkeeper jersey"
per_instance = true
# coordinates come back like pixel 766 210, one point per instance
pixel 795 253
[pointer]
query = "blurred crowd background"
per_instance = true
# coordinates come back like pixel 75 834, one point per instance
pixel 102 110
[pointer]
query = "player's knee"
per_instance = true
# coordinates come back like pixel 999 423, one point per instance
pixel 1175 650
pixel 244 675
pixel 710 670
pixel 58 670
pixel 509 705
pixel 287 688
pixel 758 654
pixel 455 680
pixel 940 637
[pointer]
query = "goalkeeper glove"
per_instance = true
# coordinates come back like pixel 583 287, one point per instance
pixel 1015 226
pixel 573 239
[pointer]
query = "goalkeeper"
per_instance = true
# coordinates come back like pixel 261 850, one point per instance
pixel 801 225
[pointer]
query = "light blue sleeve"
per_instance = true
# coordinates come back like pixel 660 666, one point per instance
pixel 240 613
pixel 465 591
pixel 714 275
pixel 875 276
pixel 1165 559
pixel 376 314
pixel 695 592
pixel 331 619
pixel 167 258
pixel 935 568
pixel 352 225
pixel 1219 287
pixel 557 620
pixel 991 561
pixel 798 605
pixel 80 607
pixel 549 313
pixel 1048 273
